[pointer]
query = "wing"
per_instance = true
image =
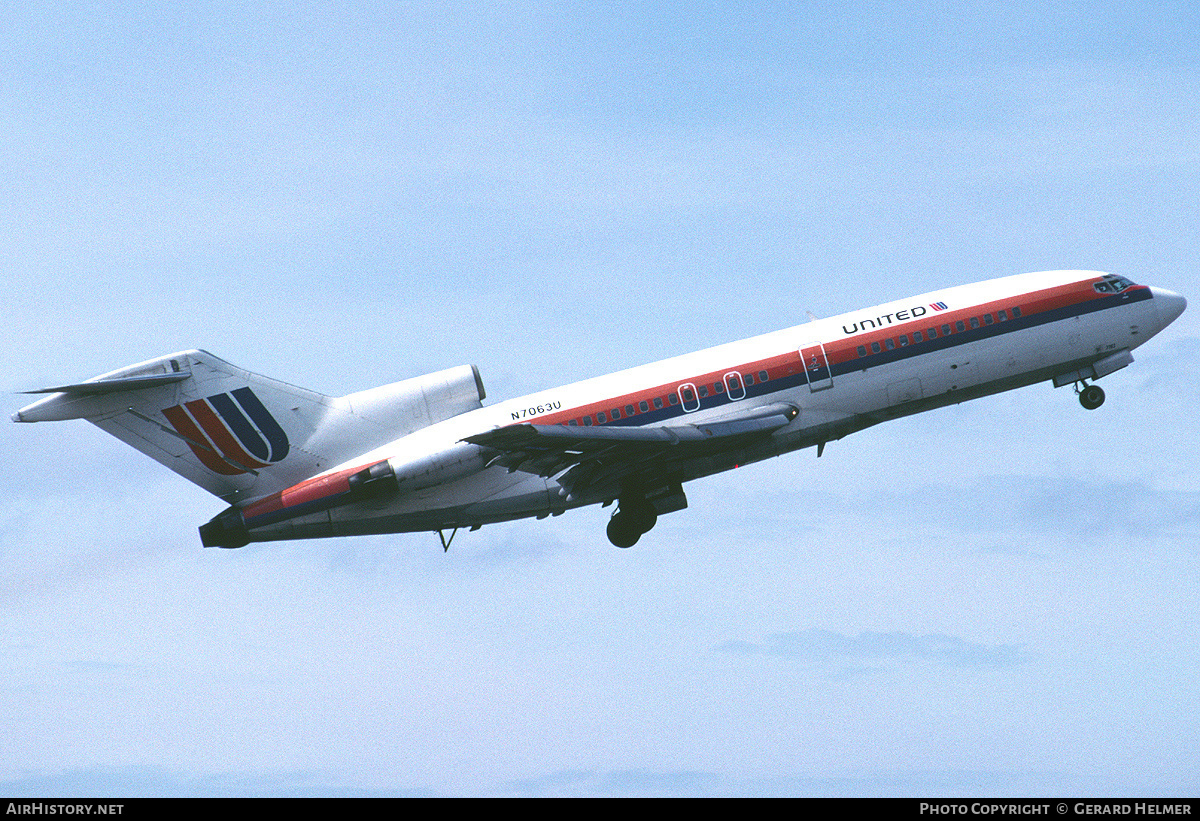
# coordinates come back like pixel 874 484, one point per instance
pixel 596 457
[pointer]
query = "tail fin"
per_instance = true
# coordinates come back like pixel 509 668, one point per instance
pixel 240 435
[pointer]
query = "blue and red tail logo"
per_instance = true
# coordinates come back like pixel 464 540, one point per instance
pixel 938 306
pixel 230 433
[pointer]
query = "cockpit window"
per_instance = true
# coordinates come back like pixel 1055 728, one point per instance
pixel 1112 284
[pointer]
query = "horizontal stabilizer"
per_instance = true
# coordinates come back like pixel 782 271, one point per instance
pixel 131 383
pixel 102 396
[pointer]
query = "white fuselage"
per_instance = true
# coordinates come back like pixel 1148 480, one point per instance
pixel 843 373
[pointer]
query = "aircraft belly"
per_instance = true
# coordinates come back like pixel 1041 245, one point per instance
pixel 490 496
pixel 1125 327
pixel 905 391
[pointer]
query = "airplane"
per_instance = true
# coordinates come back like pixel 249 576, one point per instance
pixel 426 454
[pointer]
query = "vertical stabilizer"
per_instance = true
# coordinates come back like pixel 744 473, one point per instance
pixel 240 435
pixel 228 430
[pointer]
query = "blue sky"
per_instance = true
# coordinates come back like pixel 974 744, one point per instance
pixel 995 598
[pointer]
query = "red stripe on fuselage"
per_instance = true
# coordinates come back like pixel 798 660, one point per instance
pixel 778 366
pixel 310 490
pixel 1031 303
pixel 775 366
pixel 842 350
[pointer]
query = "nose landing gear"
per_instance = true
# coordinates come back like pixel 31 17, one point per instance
pixel 1090 396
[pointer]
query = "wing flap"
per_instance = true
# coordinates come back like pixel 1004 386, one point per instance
pixel 594 456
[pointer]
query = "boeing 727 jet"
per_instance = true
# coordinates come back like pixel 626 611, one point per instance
pixel 426 454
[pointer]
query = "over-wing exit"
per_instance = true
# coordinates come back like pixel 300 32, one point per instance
pixel 425 454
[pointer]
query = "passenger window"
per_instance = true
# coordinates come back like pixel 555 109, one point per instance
pixel 749 379
pixel 573 423
pixel 987 319
pixel 862 350
pixel 946 330
pixel 762 376
pixel 874 347
pixel 917 337
pixel 890 344
pixel 718 387
pixel 703 393
pixel 587 421
pixel 629 410
pixel 601 418
pixel 974 322
pixel 903 340
pixel 616 413
pixel 1016 313
pixel 658 401
pixel 644 406
pixel 959 326
pixel 932 333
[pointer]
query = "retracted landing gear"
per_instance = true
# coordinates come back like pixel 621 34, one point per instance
pixel 634 517
pixel 1090 396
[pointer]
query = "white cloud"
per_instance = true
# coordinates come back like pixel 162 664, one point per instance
pixel 828 646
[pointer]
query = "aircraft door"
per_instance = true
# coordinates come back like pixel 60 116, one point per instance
pixel 816 367
pixel 689 397
pixel 735 388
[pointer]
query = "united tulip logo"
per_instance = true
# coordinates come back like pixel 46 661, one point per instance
pixel 230 433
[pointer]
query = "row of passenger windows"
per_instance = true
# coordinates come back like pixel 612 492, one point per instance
pixel 733 378
pixel 659 402
pixel 601 417
pixel 915 337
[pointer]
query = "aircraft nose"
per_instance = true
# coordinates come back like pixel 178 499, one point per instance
pixel 1170 305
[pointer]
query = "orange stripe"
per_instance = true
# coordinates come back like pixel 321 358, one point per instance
pixel 220 436
pixel 185 427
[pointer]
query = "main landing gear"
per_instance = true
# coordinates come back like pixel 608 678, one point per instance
pixel 1090 396
pixel 634 517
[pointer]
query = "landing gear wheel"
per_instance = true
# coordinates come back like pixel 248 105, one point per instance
pixel 1091 397
pixel 634 517
pixel 621 530
pixel 641 515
